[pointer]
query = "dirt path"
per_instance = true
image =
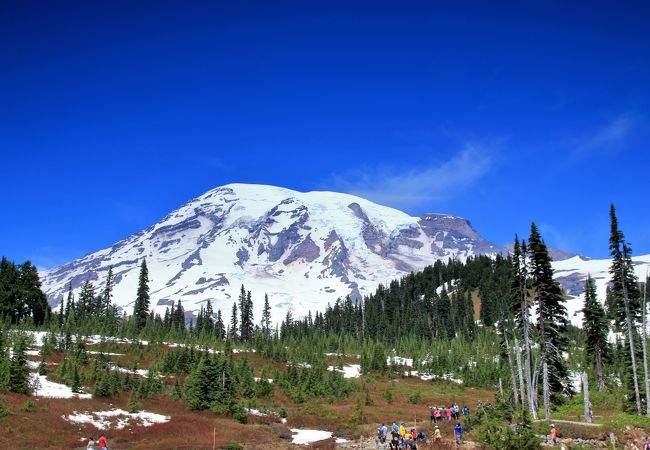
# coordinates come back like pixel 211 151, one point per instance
pixel 571 422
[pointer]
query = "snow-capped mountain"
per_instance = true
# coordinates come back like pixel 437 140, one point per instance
pixel 303 249
pixel 572 273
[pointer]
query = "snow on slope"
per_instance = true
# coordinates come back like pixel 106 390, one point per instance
pixel 572 273
pixel 302 249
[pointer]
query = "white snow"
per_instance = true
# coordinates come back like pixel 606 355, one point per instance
pixel 50 389
pixel 303 436
pixel 105 419
pixel 348 371
pixel 599 271
pixel 140 372
pixel 400 361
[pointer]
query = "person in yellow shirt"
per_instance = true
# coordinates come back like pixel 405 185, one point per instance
pixel 436 434
pixel 402 430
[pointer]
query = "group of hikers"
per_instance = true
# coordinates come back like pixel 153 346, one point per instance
pixel 437 414
pixel 101 443
pixel 398 437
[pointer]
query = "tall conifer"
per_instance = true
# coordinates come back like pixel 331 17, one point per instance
pixel 624 296
pixel 596 328
pixel 552 316
pixel 141 306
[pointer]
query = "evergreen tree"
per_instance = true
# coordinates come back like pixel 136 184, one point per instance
pixel 108 292
pixel 624 297
pixel 266 316
pixel 246 326
pixel 596 328
pixel 18 369
pixel 553 321
pixel 32 295
pixel 232 331
pixel 141 306
pixel 69 304
pixel 86 303
pixel 61 313
pixel 219 327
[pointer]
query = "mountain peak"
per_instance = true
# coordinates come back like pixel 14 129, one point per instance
pixel 304 249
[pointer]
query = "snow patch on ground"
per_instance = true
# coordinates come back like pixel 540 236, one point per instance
pixel 309 436
pixel 348 371
pixel 116 418
pixel 50 389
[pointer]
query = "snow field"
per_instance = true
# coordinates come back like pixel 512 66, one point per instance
pixel 103 420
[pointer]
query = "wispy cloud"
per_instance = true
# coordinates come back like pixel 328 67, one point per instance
pixel 416 186
pixel 607 138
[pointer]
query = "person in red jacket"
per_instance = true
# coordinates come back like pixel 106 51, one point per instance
pixel 102 441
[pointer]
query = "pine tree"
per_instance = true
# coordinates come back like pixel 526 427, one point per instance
pixel 232 331
pixel 141 306
pixel 18 369
pixel 220 327
pixel 553 321
pixel 85 305
pixel 32 294
pixel 69 304
pixel 624 299
pixel 10 304
pixel 596 328
pixel 266 316
pixel 61 313
pixel 108 292
pixel 520 308
pixel 246 326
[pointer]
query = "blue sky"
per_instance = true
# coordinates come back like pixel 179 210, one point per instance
pixel 112 114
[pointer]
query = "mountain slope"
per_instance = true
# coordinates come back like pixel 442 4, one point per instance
pixel 302 249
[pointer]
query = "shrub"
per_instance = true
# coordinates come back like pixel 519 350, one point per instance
pixel 28 406
pixel 4 410
pixel 414 398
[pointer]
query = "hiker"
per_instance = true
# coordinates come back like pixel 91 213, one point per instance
pixel 395 427
pixel 394 443
pixel 465 411
pixel 553 434
pixel 432 415
pixel 459 433
pixel 454 412
pixel 91 444
pixel 421 437
pixel 437 416
pixel 402 430
pixel 436 434
pixel 448 414
pixel 646 443
pixel 102 441
pixel 384 431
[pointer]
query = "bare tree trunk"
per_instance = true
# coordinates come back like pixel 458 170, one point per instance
pixel 546 389
pixel 520 370
pixel 630 341
pixel 500 387
pixel 513 379
pixel 599 370
pixel 585 393
pixel 527 346
pixel 644 345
